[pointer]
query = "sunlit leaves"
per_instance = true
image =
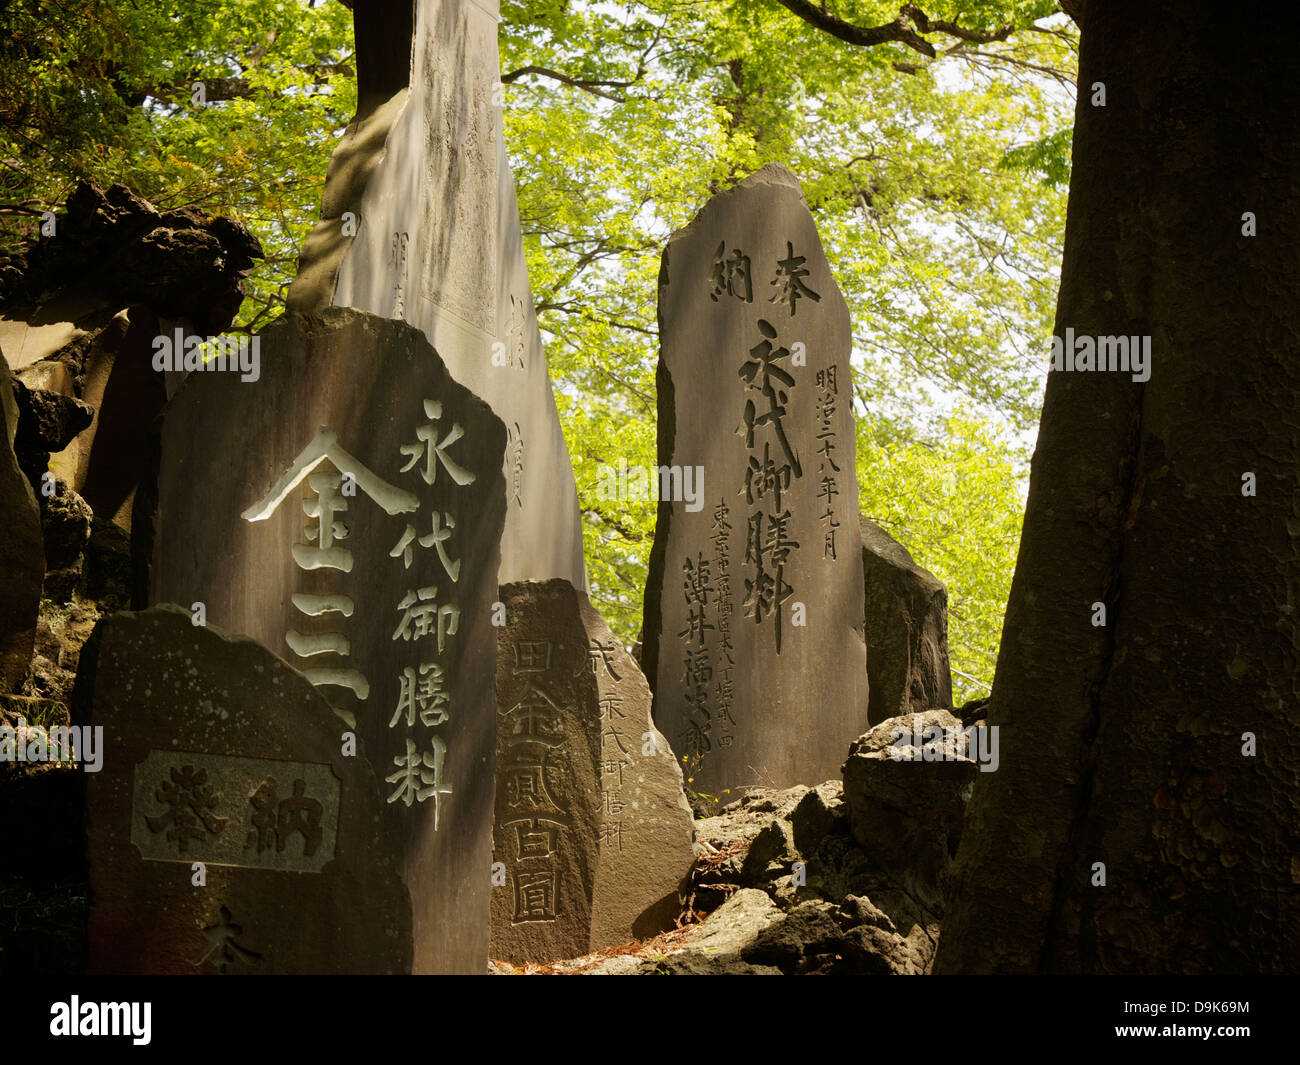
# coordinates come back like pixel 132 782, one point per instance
pixel 938 186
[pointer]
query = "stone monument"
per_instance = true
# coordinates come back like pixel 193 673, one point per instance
pixel 753 637
pixel 345 510
pixel 227 830
pixel 593 832
pixel 419 222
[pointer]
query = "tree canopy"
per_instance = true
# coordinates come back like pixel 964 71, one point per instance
pixel 933 146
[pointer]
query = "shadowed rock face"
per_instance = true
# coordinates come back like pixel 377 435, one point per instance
pixel 79 311
pixel 436 242
pixel 905 802
pixel 907 629
pixel 592 825
pixel 22 556
pixel 215 751
pixel 48 421
pixel 791 890
pixel 753 636
pixel 111 250
pixel 345 510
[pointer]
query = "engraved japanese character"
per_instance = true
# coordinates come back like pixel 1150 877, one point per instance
pixel 220 945
pixel 730 275
pixel 405 546
pixel 424 694
pixel 789 280
pixel 324 548
pixel 695 737
pixel 600 652
pixel 514 462
pixel 535 719
pixel 696 587
pixel 766 477
pixel 764 374
pixel 532 656
pixel 430 453
pixel 614 734
pixel 297 814
pixel 526 786
pixel 536 896
pixel 767 590
pixel 612 832
pixel 422 616
pixel 537 836
pixel 419 777
pixel 191 804
pixel 614 767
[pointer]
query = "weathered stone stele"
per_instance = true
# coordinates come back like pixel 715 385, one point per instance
pixel 754 602
pixel 345 510
pixel 419 222
pixel 22 556
pixel 214 751
pixel 647 828
pixel 907 629
pixel 592 825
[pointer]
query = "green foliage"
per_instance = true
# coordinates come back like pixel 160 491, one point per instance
pixel 943 240
pixel 1048 157
pixel 104 90
pixel 956 503
pixel 701 800
pixel 936 181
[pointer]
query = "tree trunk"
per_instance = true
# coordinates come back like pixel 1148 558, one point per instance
pixel 1123 744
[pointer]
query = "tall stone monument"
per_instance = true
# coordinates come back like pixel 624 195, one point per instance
pixel 753 635
pixel 227 829
pixel 419 222
pixel 345 510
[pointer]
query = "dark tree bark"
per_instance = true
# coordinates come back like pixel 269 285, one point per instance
pixel 1123 744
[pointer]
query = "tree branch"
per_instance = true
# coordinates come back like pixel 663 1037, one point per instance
pixel 926 25
pixel 224 88
pixel 906 29
pixel 863 36
pixel 592 86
